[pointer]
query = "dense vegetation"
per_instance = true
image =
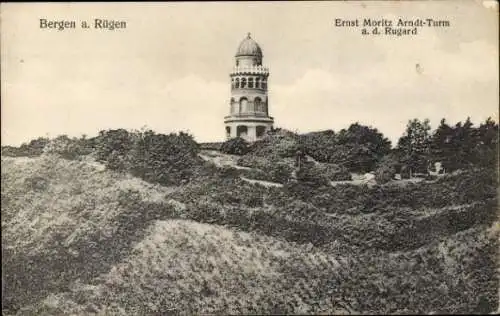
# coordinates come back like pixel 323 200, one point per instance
pixel 135 222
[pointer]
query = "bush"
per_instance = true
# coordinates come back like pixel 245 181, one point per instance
pixel 235 146
pixel 358 148
pixel 271 169
pixel 166 159
pixel 282 145
pixel 69 148
pixel 386 170
pixel 334 172
pixel 312 174
pixel 33 149
pixel 112 146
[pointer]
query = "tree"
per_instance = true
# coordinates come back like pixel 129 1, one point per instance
pixel 414 145
pixel 463 144
pixel 486 144
pixel 320 145
pixel 442 145
pixel 357 148
pixel 360 148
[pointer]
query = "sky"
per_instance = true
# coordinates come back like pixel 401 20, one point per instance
pixel 169 69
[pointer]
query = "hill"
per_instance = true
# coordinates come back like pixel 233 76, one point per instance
pixel 80 239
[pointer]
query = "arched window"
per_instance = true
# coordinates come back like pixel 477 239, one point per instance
pixel 228 131
pixel 241 131
pixel 258 104
pixel 243 105
pixel 243 82
pixel 237 83
pixel 250 83
pixel 264 84
pixel 257 83
pixel 232 83
pixel 260 131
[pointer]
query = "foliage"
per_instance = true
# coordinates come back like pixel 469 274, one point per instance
pixel 414 145
pixel 459 146
pixel 113 244
pixel 312 174
pixel 386 169
pixel 464 146
pixel 357 148
pixel 272 169
pixel 33 149
pixel 69 148
pixel 334 172
pixel 166 159
pixel 281 143
pixel 235 146
pixel 320 145
pixel 106 242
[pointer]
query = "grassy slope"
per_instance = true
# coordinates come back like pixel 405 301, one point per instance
pixel 70 232
pixel 83 240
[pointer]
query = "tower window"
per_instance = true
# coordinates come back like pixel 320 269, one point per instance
pixel 237 83
pixel 258 104
pixel 228 131
pixel 241 131
pixel 257 83
pixel 260 131
pixel 250 82
pixel 243 105
pixel 243 82
pixel 232 83
pixel 264 84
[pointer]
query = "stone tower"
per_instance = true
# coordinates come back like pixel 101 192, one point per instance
pixel 249 105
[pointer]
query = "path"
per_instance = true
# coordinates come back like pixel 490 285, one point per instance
pixel 221 160
pixel 262 182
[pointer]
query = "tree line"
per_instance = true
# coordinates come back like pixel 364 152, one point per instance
pixel 358 148
pixel 362 149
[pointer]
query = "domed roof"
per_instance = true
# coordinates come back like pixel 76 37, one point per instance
pixel 249 47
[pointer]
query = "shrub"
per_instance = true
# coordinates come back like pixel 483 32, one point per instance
pixel 166 159
pixel 235 146
pixel 272 169
pixel 283 145
pixel 69 148
pixel 312 174
pixel 334 172
pixel 385 171
pixel 112 146
pixel 280 172
pixel 33 149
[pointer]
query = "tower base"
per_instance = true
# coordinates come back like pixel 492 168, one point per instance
pixel 249 128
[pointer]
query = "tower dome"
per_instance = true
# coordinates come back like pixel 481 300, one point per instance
pixel 249 47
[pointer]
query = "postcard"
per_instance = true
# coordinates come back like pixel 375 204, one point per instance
pixel 216 158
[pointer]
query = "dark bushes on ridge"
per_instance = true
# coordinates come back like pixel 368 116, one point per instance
pixel 166 159
pixel 235 146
